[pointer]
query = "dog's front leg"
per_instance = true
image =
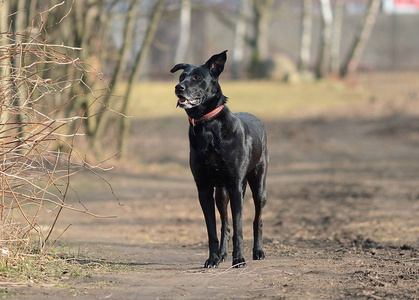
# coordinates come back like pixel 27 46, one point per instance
pixel 236 200
pixel 221 199
pixel 206 199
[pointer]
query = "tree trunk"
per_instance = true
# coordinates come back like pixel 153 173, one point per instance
pixel 262 25
pixel 117 75
pixel 184 31
pixel 239 39
pixel 336 37
pixel 19 87
pixel 355 52
pixel 259 67
pixel 85 16
pixel 324 53
pixel 305 38
pixel 4 63
pixel 79 33
pixel 151 29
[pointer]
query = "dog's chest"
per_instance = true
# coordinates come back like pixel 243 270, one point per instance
pixel 210 154
pixel 210 151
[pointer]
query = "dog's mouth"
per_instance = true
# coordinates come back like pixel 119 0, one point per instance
pixel 187 103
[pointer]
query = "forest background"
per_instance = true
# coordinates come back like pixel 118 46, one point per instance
pixel 127 41
pixel 71 70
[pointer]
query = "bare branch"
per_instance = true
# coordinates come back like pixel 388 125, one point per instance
pixel 38 128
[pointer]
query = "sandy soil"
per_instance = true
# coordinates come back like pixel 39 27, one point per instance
pixel 342 219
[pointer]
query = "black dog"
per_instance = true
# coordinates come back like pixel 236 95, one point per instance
pixel 226 151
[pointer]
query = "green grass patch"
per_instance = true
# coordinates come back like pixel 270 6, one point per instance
pixel 265 99
pixel 49 269
pixel 62 264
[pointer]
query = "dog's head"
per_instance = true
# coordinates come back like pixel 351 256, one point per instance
pixel 197 84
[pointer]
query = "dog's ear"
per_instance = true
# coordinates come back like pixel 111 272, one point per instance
pixel 216 63
pixel 179 67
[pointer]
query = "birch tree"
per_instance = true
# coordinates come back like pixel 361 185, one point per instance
pixel 239 39
pixel 336 37
pixel 324 52
pixel 305 36
pixel 139 59
pixel 351 61
pixel 4 65
pixel 184 31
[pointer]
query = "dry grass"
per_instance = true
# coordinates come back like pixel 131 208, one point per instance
pixel 265 99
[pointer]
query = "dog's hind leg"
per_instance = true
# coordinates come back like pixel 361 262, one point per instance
pixel 221 199
pixel 257 183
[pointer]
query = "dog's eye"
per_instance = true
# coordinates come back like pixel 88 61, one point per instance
pixel 197 77
pixel 182 77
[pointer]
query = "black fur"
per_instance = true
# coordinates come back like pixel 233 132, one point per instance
pixel 227 151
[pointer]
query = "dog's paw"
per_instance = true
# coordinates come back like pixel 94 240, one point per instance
pixel 223 256
pixel 212 262
pixel 258 254
pixel 239 263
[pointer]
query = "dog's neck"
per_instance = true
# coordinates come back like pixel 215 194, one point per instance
pixel 207 116
pixel 206 108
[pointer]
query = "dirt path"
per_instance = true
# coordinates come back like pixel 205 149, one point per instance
pixel 342 219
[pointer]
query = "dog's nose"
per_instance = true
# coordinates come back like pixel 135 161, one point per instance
pixel 180 87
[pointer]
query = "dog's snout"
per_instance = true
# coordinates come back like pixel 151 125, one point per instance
pixel 179 87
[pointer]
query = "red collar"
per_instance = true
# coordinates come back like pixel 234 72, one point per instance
pixel 207 116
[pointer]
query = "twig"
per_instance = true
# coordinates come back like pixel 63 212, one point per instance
pixel 34 124
pixel 55 241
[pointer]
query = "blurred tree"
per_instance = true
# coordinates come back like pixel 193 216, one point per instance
pixel 305 37
pixel 19 25
pixel 351 62
pixel 120 62
pixel 89 25
pixel 322 67
pixel 139 59
pixel 336 37
pixel 5 70
pixel 239 39
pixel 184 31
pixel 4 17
pixel 35 19
pixel 260 64
pixel 87 33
